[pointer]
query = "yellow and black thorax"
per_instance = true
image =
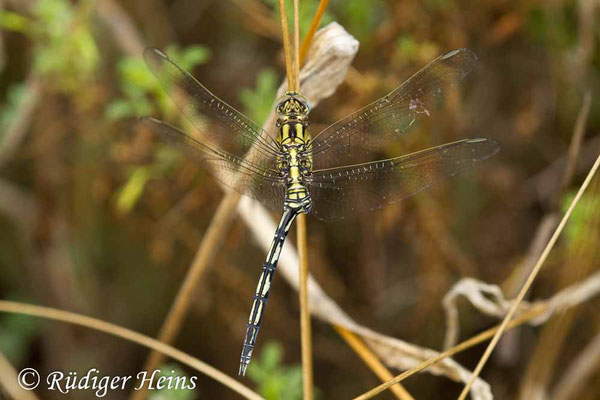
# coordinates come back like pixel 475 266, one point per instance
pixel 295 159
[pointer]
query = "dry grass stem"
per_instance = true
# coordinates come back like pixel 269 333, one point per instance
pixel 286 45
pixel 530 280
pixel 305 331
pixel 314 25
pixel 296 54
pixel 127 334
pixel 8 382
pixel 577 138
pixel 372 361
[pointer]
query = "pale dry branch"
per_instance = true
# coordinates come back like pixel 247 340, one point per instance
pixel 578 372
pixel 576 139
pixel 122 27
pixel 489 300
pixel 486 297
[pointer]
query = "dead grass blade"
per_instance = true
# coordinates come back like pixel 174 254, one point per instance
pixel 127 334
pixel 8 381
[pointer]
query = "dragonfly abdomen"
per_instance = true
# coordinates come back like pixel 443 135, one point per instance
pixel 264 285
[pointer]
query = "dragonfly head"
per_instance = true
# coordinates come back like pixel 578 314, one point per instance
pixel 292 107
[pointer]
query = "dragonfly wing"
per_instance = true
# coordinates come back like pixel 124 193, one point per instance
pixel 342 191
pixel 215 120
pixel 388 118
pixel 256 178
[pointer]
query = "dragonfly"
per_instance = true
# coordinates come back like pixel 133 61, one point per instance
pixel 331 175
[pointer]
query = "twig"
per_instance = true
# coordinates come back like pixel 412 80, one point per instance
pixel 474 341
pixel 15 132
pixel 372 361
pixel 578 372
pixel 132 336
pixel 529 281
pixel 542 185
pixel 575 145
pixel 314 25
pixel 127 36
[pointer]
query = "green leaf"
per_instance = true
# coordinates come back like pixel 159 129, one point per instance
pixel 119 109
pixel 178 378
pixel 188 57
pixel 193 56
pixel 15 22
pixel 131 192
pixel 16 333
pixel 142 93
pixel 584 218
pixel 274 380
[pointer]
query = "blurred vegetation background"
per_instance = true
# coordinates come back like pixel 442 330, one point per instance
pixel 99 218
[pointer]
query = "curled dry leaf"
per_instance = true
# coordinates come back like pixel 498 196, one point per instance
pixel 489 300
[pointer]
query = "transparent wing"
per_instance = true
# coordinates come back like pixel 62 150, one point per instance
pixel 256 178
pixel 351 139
pixel 342 191
pixel 216 121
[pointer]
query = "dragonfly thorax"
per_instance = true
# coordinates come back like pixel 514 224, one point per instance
pixel 295 160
